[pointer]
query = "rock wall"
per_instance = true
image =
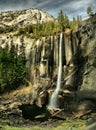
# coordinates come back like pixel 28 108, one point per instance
pixel 78 85
pixel 88 45
pixel 78 55
pixel 42 54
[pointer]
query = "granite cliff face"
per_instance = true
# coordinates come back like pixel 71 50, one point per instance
pixel 42 54
pixel 78 72
pixel 24 17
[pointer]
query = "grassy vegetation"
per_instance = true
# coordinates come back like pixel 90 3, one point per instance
pixel 39 30
pixel 75 124
pixel 15 128
pixel 49 28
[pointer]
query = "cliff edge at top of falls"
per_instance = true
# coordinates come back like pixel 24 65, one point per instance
pixel 24 17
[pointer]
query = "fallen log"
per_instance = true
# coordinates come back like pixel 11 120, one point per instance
pixel 81 113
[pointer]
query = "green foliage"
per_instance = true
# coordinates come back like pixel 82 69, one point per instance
pixel 38 30
pixel 75 21
pixel 12 69
pixel 65 23
pixel 49 28
pixel 69 124
pixel 45 28
pixel 63 20
pixel 89 11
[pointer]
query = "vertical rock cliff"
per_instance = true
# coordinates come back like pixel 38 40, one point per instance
pixel 43 54
pixel 78 68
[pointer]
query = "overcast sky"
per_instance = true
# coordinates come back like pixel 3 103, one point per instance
pixel 70 7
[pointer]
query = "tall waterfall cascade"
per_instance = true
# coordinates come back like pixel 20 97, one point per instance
pixel 53 103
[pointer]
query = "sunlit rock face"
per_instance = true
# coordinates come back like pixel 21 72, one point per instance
pixel 24 17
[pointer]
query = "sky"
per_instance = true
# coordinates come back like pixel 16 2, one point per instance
pixel 71 7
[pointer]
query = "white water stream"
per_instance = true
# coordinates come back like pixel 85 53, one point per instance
pixel 53 104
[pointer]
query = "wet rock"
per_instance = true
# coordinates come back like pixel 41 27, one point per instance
pixel 85 105
pixel 42 99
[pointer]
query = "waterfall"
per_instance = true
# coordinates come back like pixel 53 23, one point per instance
pixel 53 104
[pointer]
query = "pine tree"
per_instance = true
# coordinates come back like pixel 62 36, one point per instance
pixel 61 20
pixel 90 11
pixel 66 21
pixel 12 68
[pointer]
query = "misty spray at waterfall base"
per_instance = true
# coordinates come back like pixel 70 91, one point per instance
pixel 53 103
